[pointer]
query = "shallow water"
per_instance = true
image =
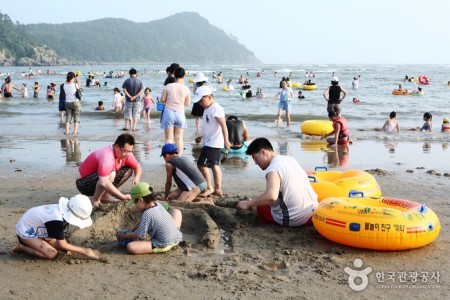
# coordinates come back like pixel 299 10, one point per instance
pixel 30 133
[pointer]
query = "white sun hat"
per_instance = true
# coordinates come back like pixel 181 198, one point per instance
pixel 76 210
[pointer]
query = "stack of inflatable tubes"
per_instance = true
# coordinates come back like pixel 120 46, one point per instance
pixel 336 183
pixel 376 223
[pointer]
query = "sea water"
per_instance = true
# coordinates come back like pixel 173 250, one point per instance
pixel 30 129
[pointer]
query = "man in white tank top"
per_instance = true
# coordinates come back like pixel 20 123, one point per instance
pixel 289 199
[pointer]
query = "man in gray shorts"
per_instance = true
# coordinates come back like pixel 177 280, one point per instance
pixel 132 88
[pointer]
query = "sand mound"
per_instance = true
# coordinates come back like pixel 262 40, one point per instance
pixel 203 225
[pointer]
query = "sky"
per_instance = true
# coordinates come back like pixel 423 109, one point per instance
pixel 285 32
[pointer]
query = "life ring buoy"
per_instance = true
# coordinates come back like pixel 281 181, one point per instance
pixel 334 183
pixel 297 85
pixel 376 223
pixel 309 87
pixel 238 150
pixel 317 127
pixel 423 79
pixel 401 93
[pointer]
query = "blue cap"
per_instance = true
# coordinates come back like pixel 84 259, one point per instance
pixel 169 148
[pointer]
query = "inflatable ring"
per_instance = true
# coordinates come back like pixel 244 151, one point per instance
pixel 340 183
pixel 191 80
pixel 423 79
pixel 297 85
pixel 401 93
pixel 418 94
pixel 224 88
pixel 317 127
pixel 309 87
pixel 376 223
pixel 238 150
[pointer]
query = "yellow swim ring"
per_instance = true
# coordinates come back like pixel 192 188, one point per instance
pixel 191 80
pixel 297 85
pixel 317 127
pixel 224 88
pixel 334 183
pixel 401 93
pixel 309 87
pixel 376 223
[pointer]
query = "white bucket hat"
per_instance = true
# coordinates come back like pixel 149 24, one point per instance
pixel 76 210
pixel 200 77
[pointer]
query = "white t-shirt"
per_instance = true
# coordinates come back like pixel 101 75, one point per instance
pixel 211 130
pixel 297 199
pixel 33 222
pixel 70 89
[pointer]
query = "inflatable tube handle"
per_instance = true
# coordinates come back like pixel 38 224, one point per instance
pixel 321 168
pixel 314 179
pixel 422 209
pixel 354 193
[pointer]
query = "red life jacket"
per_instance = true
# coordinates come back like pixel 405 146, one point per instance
pixel 344 129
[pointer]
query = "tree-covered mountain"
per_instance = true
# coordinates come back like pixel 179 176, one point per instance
pixel 184 37
pixel 18 48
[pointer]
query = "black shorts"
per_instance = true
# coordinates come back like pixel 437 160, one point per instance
pixel 87 185
pixel 209 157
pixel 197 110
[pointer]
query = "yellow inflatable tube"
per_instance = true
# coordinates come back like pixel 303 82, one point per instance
pixel 336 183
pixel 297 85
pixel 224 88
pixel 317 127
pixel 309 87
pixel 376 223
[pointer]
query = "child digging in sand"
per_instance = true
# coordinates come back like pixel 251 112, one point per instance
pixel 162 227
pixel 41 229
pixel 189 180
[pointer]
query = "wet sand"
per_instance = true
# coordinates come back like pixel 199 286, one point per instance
pixel 227 253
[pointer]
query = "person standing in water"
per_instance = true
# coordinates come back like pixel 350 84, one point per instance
pixel 286 95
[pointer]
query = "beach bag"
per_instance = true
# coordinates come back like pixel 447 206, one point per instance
pixel 78 93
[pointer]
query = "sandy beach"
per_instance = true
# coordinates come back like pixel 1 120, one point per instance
pixel 227 253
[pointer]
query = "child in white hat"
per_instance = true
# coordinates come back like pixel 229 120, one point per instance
pixel 41 229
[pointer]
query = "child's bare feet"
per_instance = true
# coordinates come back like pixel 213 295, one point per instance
pixel 218 193
pixel 16 249
pixel 206 193
pixel 206 200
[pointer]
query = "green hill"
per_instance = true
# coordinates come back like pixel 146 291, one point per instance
pixel 17 48
pixel 184 37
